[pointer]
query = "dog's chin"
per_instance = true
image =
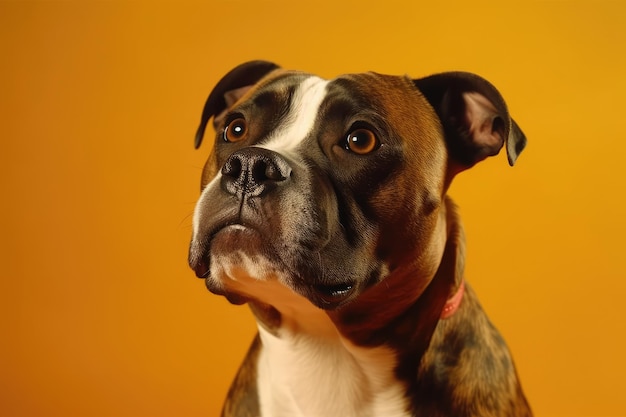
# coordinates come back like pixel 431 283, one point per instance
pixel 232 297
pixel 240 291
pixel 325 297
pixel 244 289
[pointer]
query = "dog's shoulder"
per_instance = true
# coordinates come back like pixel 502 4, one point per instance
pixel 468 368
pixel 243 398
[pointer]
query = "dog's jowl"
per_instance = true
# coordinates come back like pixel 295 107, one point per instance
pixel 324 208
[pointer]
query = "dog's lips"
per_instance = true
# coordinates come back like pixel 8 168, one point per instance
pixel 202 264
pixel 333 295
pixel 201 268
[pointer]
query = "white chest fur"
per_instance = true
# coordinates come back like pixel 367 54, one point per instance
pixel 310 376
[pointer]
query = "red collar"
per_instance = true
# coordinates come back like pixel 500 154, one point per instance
pixel 453 303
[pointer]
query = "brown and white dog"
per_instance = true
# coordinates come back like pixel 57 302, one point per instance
pixel 324 207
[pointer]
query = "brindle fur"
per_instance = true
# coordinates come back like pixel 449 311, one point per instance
pixel 459 366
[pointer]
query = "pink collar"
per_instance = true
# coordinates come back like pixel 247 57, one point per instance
pixel 453 303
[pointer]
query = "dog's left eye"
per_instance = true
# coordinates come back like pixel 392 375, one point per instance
pixel 362 141
pixel 236 130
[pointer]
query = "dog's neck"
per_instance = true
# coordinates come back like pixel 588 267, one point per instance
pixel 325 374
pixel 311 369
pixel 362 341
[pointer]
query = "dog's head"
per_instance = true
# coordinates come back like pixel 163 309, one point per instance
pixel 326 187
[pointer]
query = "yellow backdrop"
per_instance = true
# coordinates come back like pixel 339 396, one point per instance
pixel 99 101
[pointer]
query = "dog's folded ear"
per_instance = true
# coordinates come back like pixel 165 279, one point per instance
pixel 229 89
pixel 474 116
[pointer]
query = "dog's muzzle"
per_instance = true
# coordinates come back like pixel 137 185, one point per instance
pixel 247 174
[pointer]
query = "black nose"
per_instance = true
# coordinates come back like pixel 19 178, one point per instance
pixel 254 171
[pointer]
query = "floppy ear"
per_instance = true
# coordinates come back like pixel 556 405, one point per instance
pixel 474 116
pixel 230 89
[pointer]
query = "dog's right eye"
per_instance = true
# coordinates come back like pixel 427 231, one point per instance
pixel 236 130
pixel 361 141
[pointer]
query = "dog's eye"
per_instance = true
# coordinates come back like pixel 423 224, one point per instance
pixel 362 141
pixel 236 130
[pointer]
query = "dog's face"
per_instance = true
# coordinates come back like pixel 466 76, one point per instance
pixel 327 187
pixel 317 184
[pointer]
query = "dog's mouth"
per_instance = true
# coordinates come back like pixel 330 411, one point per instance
pixel 331 296
pixel 232 237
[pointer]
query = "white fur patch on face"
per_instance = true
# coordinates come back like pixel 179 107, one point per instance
pixel 299 122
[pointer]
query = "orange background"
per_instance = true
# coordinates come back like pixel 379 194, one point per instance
pixel 99 101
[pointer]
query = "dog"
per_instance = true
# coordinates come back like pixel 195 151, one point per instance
pixel 323 206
